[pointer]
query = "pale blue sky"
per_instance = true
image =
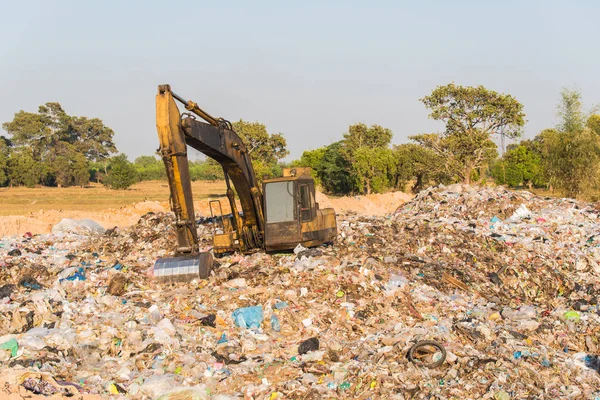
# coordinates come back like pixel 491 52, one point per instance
pixel 308 69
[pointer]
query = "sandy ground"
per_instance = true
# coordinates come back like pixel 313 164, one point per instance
pixel 43 221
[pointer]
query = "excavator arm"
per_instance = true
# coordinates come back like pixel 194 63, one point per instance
pixel 292 214
pixel 216 139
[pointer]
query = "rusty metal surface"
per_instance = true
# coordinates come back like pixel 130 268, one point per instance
pixel 282 235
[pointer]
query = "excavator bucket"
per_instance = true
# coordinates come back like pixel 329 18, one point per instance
pixel 183 268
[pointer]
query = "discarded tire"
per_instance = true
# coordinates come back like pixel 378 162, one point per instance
pixel 421 347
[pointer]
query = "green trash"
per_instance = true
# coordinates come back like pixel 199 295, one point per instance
pixel 572 315
pixel 11 345
pixel 501 395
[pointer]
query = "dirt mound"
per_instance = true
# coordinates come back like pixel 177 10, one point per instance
pixel 371 204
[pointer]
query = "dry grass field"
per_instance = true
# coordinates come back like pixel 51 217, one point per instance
pixel 21 200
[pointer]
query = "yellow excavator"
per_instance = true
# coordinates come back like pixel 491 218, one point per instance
pixel 279 217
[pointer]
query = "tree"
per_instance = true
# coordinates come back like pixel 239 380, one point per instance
pixel 23 168
pixel 265 149
pixel 150 168
pixel 570 111
pixel 122 173
pixel 80 168
pixel 330 167
pixel 360 163
pixel 520 165
pixel 55 138
pixel 207 170
pixel 571 152
pixel 4 152
pixel 593 123
pixel 313 159
pixel 67 166
pixel 366 151
pixel 572 161
pixel 419 164
pixel 334 170
pixel 472 115
pixel 92 138
pixel 359 135
pixel 373 169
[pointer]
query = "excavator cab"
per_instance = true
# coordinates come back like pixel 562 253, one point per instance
pixel 292 215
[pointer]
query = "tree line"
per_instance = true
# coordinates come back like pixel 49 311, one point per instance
pixel 52 148
pixel 564 159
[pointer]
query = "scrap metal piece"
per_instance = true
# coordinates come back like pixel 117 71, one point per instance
pixel 183 268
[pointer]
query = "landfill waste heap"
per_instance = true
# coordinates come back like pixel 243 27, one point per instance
pixel 505 283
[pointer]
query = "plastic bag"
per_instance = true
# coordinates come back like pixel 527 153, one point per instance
pixel 67 225
pixel 248 317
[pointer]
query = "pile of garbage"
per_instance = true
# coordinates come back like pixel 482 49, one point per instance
pixel 463 292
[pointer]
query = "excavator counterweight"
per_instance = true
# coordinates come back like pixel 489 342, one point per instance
pixel 287 215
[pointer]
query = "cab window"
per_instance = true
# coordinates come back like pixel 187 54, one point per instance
pixel 305 203
pixel 279 201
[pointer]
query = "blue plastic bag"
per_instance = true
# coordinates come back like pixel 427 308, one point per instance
pixel 79 276
pixel 248 317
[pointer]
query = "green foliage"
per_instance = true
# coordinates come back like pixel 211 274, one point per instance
pixel 92 138
pixel 570 154
pixel 521 165
pixel 264 148
pixel 472 115
pixel 593 123
pixel 313 159
pixel 366 150
pixel 360 163
pixel 67 166
pixel 373 169
pixel 4 153
pixel 331 168
pixel 97 170
pixel 359 135
pixel 121 174
pixel 570 111
pixel 149 168
pixel 23 168
pixel 418 164
pixel 60 145
pixel 80 170
pixel 334 170
pixel 571 161
pixel 205 171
